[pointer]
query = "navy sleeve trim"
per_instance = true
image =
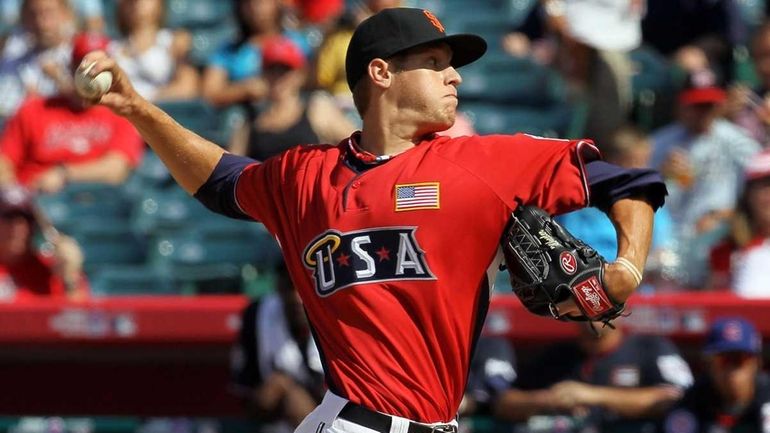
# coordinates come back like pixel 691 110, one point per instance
pixel 218 193
pixel 587 152
pixel 610 183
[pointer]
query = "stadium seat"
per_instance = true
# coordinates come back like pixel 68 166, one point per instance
pixel 490 118
pixel 208 279
pixel 651 71
pixel 105 243
pixel 512 81
pixel 166 210
pixel 81 202
pixel 191 14
pixel 118 280
pixel 207 245
pixel 206 40
pixel 196 115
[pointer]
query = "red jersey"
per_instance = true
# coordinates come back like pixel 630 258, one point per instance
pixel 31 277
pixel 47 132
pixel 394 263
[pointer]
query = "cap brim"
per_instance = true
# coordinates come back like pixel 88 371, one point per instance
pixel 727 347
pixel 709 95
pixel 466 48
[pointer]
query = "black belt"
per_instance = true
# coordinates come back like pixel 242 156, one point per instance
pixel 381 423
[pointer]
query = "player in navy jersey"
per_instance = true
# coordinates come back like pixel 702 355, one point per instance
pixel 392 236
pixel 734 394
pixel 612 382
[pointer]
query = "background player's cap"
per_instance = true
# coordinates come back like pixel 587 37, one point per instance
pixel 702 87
pixel 733 334
pixel 758 167
pixel 394 30
pixel 84 43
pixel 280 50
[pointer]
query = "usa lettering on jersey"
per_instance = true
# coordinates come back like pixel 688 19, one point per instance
pixel 340 260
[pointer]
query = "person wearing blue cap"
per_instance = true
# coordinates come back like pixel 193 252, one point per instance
pixel 733 394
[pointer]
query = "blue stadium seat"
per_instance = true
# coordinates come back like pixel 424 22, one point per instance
pixel 207 40
pixel 503 282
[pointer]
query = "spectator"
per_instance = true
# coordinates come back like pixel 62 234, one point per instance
pixel 330 63
pixel 155 58
pixel 733 394
pixel 493 371
pixel 750 108
pixel 741 261
pixel 90 14
pixel 25 272
pixel 594 39
pixel 702 156
pixel 695 34
pixel 287 119
pixel 60 139
pixel 232 75
pixel 276 366
pixel 605 381
pixel 629 148
pixel 36 60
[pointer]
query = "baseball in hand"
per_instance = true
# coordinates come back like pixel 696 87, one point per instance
pixel 92 87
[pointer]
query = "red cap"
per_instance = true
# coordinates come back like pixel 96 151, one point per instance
pixel 282 51
pixel 318 11
pixel 758 167
pixel 84 43
pixel 702 87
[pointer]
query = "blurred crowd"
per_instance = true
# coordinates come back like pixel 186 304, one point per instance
pixel 679 85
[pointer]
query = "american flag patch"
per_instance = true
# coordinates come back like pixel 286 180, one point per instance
pixel 417 196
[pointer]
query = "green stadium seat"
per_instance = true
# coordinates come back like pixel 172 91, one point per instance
pixel 196 115
pixel 81 202
pixel 651 71
pixel 191 14
pixel 131 280
pixel 502 119
pixel 164 210
pixel 105 243
pixel 224 278
pixel 512 81
pixel 206 245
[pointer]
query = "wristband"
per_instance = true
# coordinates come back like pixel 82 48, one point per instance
pixel 631 268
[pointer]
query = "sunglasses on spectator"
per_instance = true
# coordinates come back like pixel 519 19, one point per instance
pixel 733 359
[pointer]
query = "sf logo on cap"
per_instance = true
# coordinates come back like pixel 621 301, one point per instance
pixel 433 20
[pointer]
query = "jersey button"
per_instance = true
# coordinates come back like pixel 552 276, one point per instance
pixel 355 185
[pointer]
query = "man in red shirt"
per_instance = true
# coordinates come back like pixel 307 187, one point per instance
pixel 392 236
pixel 52 141
pixel 26 273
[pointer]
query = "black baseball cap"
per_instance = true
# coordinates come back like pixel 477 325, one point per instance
pixel 394 30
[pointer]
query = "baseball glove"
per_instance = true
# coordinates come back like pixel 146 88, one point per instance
pixel 547 265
